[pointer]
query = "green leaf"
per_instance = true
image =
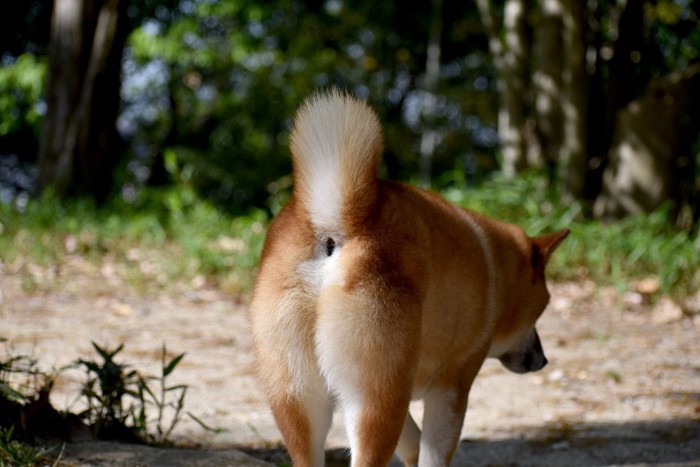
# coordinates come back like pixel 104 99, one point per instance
pixel 204 425
pixel 149 391
pixel 106 354
pixel 179 386
pixel 92 366
pixel 171 366
pixel 11 393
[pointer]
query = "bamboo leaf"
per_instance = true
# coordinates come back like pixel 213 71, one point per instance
pixel 175 388
pixel 11 393
pixel 171 366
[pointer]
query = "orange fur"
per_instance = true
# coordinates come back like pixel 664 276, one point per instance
pixel 371 293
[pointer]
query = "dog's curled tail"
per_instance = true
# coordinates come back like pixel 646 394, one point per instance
pixel 336 145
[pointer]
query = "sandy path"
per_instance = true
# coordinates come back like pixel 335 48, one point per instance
pixel 622 373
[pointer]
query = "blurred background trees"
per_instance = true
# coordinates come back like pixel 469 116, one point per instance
pixel 102 98
pixel 78 147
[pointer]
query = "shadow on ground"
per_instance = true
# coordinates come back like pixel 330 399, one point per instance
pixel 668 443
pixel 672 442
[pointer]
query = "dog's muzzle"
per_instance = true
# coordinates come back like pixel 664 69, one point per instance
pixel 526 357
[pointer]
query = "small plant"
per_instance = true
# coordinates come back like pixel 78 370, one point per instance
pixel 120 400
pixel 107 385
pixel 14 453
pixel 24 390
pixel 21 379
pixel 122 404
pixel 161 398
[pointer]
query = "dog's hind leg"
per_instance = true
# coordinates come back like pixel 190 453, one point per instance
pixel 366 344
pixel 283 327
pixel 304 420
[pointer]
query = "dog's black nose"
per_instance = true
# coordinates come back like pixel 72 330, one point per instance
pixel 537 362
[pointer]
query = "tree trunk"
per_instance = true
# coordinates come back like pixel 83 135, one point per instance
pixel 510 56
pixel 613 86
pixel 651 159
pixel 546 83
pixel 79 142
pixel 511 118
pixel 429 136
pixel 626 53
pixel 573 162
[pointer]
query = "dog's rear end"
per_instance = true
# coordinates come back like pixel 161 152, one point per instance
pixel 335 320
pixel 372 292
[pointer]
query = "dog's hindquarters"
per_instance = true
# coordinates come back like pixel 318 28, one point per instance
pixel 350 340
pixel 366 337
pixel 335 315
pixel 282 323
pixel 282 318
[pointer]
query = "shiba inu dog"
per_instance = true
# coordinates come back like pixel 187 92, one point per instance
pixel 372 293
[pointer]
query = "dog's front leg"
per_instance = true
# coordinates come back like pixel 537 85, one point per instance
pixel 442 424
pixel 445 405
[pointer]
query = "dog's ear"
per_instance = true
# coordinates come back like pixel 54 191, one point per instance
pixel 544 245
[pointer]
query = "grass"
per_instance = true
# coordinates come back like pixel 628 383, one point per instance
pixel 121 404
pixel 171 237
pixel 119 398
pixel 14 453
pixel 162 240
pixel 22 385
pixel 619 253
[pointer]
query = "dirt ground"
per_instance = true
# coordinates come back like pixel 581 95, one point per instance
pixel 622 385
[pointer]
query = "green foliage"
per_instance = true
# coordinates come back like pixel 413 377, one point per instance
pixel 119 398
pixel 231 74
pixel 673 33
pixel 526 200
pixel 21 379
pixel 21 86
pixel 121 404
pixel 616 253
pixel 214 244
pixel 108 382
pixel 21 385
pixel 210 87
pixel 186 239
pixel 160 239
pixel 637 247
pixel 167 400
pixel 14 453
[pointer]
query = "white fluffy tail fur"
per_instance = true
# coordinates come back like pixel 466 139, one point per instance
pixel 336 145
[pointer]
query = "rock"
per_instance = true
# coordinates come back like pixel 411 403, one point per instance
pixel 648 286
pixel 691 305
pixel 666 311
